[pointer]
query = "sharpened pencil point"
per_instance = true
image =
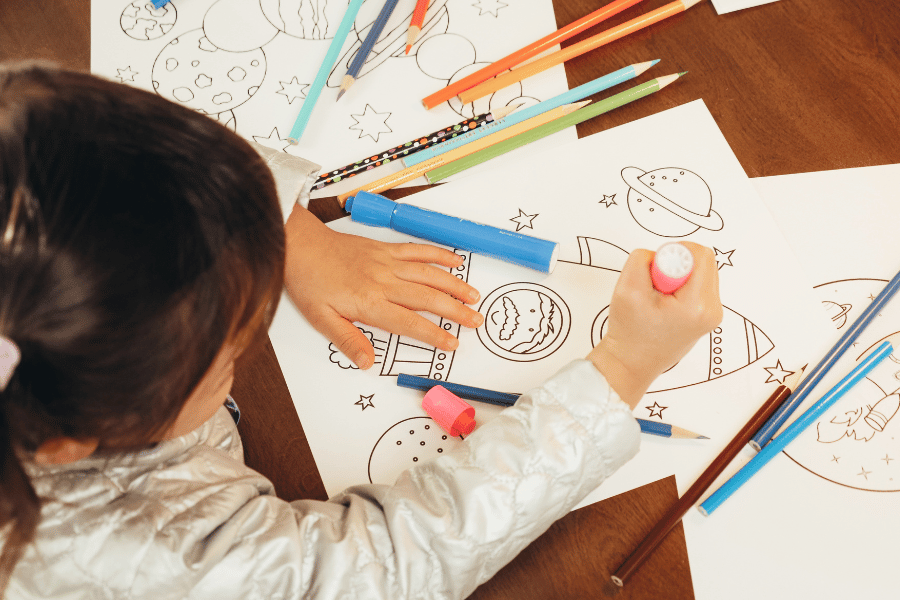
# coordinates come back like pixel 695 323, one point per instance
pixel 340 93
pixel 683 73
pixel 653 62
pixel 702 437
pixel 408 47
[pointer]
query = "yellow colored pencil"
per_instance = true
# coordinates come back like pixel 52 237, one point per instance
pixel 410 173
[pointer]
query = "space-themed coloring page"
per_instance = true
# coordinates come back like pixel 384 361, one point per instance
pixel 249 64
pixel 628 194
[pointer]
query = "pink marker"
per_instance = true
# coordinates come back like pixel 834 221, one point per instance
pixel 450 411
pixel 671 267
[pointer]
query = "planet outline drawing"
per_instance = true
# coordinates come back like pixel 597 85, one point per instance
pixel 638 190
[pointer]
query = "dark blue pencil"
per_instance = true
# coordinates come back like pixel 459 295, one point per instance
pixel 771 427
pixel 469 392
pixel 366 48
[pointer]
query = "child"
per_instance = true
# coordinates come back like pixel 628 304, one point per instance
pixel 142 251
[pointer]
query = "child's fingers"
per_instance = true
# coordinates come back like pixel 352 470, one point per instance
pixel 425 298
pixel 347 337
pixel 438 279
pixel 636 272
pixel 426 253
pixel 406 322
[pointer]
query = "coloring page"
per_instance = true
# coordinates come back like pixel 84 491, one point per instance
pixel 249 65
pixel 628 193
pixel 727 6
pixel 818 522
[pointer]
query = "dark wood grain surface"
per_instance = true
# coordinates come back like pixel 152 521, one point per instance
pixel 795 86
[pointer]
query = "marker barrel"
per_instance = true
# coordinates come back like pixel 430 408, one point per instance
pixel 671 267
pixel 509 246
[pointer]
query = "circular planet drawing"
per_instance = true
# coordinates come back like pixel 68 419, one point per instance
pixel 856 443
pixel 407 444
pixel 670 202
pixel 524 322
pixel 141 21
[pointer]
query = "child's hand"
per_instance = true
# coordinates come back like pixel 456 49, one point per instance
pixel 648 331
pixel 336 279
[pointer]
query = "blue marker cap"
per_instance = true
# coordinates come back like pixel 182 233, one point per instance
pixel 378 211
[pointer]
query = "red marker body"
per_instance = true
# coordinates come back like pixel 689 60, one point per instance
pixel 671 267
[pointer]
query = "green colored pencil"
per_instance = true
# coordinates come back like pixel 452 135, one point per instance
pixel 583 114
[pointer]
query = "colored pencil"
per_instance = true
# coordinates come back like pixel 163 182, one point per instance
pixel 529 51
pixel 420 169
pixel 411 147
pixel 706 479
pixel 589 112
pixel 468 392
pixel 366 48
pixel 415 24
pixel 328 63
pixel 809 417
pixel 583 91
pixel 772 426
pixel 560 56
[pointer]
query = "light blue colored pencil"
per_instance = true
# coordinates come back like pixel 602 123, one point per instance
pixel 773 448
pixel 574 95
pixel 366 48
pixel 775 422
pixel 318 84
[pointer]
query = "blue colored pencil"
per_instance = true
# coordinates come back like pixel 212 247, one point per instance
pixel 574 95
pixel 468 392
pixel 366 48
pixel 771 427
pixel 318 83
pixel 809 417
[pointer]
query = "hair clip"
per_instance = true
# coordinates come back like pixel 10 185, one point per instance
pixel 9 358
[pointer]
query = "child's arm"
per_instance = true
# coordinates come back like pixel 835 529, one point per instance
pixel 335 279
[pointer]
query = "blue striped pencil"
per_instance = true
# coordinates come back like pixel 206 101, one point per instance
pixel 469 392
pixel 809 417
pixel 322 76
pixel 574 95
pixel 366 48
pixel 771 427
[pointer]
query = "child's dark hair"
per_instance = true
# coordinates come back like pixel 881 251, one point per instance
pixel 136 238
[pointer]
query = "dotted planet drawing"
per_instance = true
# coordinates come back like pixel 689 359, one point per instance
pixel 405 445
pixel 670 202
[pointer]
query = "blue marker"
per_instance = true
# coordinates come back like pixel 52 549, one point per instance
pixel 527 251
pixel 579 93
pixel 159 3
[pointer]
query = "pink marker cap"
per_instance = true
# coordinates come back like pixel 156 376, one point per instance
pixel 671 267
pixel 450 411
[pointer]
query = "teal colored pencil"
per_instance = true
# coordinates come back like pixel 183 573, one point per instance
pixel 583 114
pixel 574 95
pixel 318 84
pixel 774 447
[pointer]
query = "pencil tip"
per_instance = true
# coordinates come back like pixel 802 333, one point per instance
pixel 683 73
pixel 702 437
pixel 653 62
pixel 408 47
pixel 340 93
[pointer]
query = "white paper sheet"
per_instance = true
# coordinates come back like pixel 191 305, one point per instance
pixel 727 6
pixel 345 412
pixel 820 522
pixel 248 63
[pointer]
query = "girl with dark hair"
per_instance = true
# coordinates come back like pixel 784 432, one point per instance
pixel 142 250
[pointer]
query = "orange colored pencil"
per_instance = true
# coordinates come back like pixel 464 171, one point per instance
pixel 415 24
pixel 560 56
pixel 410 173
pixel 529 51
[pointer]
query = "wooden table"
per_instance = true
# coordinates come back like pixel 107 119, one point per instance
pixel 795 86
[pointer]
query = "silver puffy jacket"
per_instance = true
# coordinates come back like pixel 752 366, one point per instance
pixel 188 519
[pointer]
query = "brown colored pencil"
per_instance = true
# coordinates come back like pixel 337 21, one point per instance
pixel 706 479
